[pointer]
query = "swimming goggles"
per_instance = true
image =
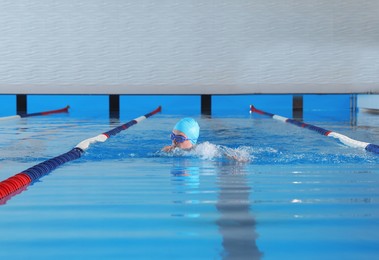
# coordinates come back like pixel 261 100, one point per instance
pixel 178 138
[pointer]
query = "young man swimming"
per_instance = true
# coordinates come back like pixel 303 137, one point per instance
pixel 184 135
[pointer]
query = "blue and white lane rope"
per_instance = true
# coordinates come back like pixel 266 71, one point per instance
pixel 18 182
pixel 62 110
pixel 342 138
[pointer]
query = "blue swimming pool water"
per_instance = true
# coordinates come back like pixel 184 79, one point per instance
pixel 300 195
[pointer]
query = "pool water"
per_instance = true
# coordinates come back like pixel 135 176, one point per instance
pixel 291 193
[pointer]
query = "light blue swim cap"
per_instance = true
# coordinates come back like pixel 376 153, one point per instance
pixel 189 127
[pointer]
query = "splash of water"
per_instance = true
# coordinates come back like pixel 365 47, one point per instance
pixel 210 151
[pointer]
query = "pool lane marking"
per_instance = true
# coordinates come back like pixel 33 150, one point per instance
pixel 62 110
pixel 14 184
pixel 342 138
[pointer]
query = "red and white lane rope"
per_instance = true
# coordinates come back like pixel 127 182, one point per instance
pixel 20 181
pixel 62 110
pixel 342 138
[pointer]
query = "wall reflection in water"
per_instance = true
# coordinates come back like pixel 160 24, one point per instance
pixel 187 180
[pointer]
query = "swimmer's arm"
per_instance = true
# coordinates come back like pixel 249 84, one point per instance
pixel 235 158
pixel 168 148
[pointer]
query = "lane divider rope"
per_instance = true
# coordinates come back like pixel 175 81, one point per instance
pixel 342 138
pixel 62 110
pixel 12 185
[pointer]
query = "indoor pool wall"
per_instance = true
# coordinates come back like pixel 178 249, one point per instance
pixel 222 105
pixel 302 196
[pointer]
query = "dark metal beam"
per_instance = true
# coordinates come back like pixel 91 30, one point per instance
pixel 114 106
pixel 21 104
pixel 297 107
pixel 206 104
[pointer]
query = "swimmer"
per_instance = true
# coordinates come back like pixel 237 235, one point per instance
pixel 184 135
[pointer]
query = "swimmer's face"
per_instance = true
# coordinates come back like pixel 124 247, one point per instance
pixel 184 145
